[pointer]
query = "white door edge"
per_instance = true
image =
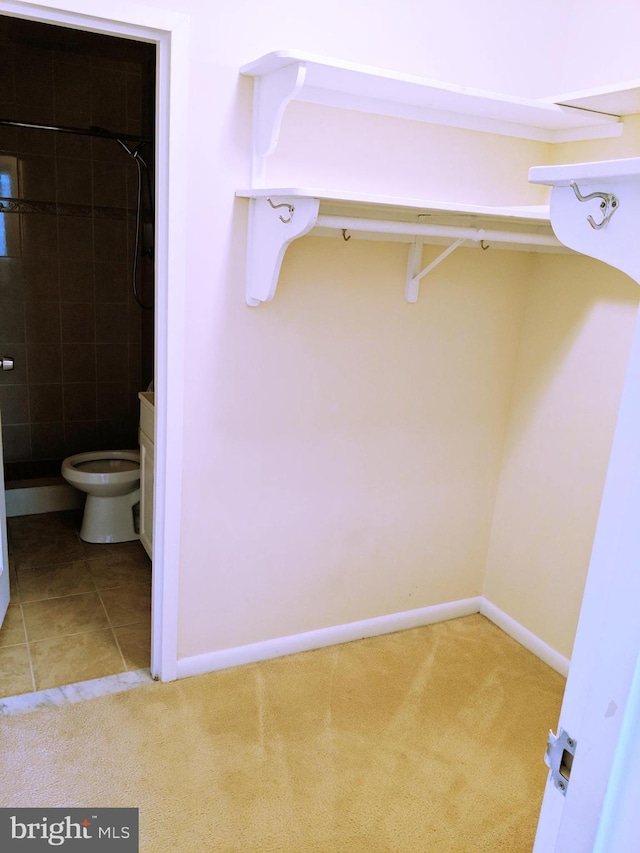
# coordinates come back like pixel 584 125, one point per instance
pixel 606 645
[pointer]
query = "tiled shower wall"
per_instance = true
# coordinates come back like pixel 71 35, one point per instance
pixel 81 344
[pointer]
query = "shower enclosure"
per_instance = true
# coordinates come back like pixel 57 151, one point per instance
pixel 76 242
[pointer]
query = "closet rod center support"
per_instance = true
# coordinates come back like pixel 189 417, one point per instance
pixel 414 277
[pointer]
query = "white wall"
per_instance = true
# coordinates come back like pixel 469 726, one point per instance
pixel 356 452
pixel 600 44
pixel 576 336
pixel 341 446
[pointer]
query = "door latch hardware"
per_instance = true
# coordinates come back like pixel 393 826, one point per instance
pixel 559 758
pixel 7 363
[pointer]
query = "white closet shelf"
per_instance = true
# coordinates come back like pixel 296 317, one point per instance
pixel 595 209
pixel 283 76
pixel 621 99
pixel 608 171
pixel 401 204
pixel 277 216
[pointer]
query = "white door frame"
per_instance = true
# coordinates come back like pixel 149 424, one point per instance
pixel 169 32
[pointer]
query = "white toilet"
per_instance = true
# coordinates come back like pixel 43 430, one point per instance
pixel 111 480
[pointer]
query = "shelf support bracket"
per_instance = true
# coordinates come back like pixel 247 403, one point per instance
pixel 274 222
pixel 414 274
pixel 272 93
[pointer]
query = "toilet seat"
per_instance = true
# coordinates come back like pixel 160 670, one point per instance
pixel 117 468
pixel 106 466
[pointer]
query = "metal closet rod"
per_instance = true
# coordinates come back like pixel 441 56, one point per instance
pixel 95 131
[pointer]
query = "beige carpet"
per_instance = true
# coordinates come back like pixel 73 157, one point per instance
pixel 426 740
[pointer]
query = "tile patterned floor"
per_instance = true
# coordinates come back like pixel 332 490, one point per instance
pixel 78 611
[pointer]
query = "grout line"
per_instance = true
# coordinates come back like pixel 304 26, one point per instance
pixel 124 663
pixel 104 607
pixel 58 597
pixel 26 636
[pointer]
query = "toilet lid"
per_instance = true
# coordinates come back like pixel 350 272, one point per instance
pixel 107 466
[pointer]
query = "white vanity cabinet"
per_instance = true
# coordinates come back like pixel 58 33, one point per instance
pixel 146 437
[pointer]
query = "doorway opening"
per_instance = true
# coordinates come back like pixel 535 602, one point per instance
pixel 165 36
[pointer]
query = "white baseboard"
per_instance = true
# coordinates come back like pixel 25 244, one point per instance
pixel 212 661
pixel 32 500
pixel 525 637
pixel 309 640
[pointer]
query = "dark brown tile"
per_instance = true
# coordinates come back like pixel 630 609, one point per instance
pixel 80 437
pixel 134 328
pixel 78 322
pixel 112 323
pixel 72 146
pixel 34 88
pixel 80 401
pixel 12 322
pixel 47 440
pixel 14 403
pixel 112 397
pixel 134 103
pixel 38 178
pixel 40 280
pixel 112 281
pixel 76 280
pixel 106 149
pixel 45 403
pixel 8 134
pixel 35 141
pixel 10 279
pixel 112 362
pixel 42 320
pixel 75 234
pixel 109 184
pixel 40 239
pixel 44 363
pixel 110 241
pixel 72 94
pixel 132 187
pixel 16 442
pixel 108 98
pixel 74 182
pixel 117 433
pixel 46 551
pixel 79 362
